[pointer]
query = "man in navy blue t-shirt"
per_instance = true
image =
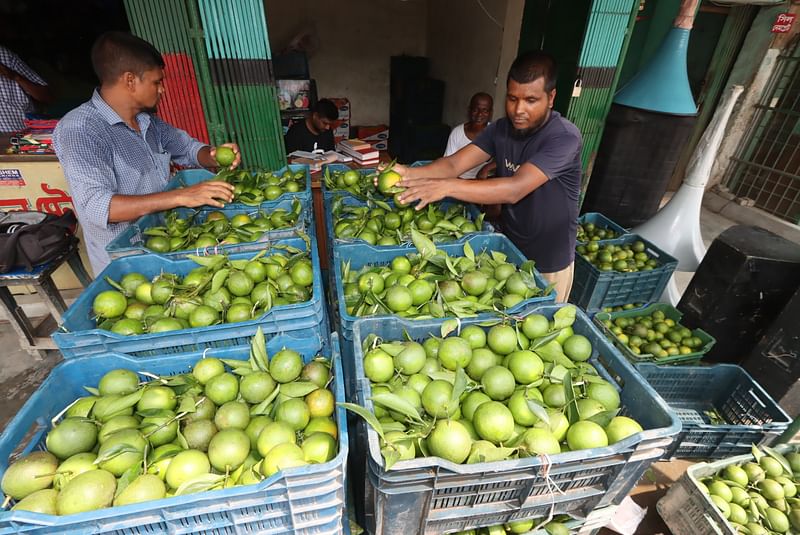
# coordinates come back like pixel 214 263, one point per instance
pixel 538 158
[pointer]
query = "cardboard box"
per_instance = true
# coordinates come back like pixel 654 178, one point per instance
pixel 372 133
pixel 380 145
pixel 344 107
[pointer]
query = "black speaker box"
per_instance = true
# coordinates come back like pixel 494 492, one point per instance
pixel 775 361
pixel 746 278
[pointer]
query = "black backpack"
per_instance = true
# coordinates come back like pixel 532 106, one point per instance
pixel 28 239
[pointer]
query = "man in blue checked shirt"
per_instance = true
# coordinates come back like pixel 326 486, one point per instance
pixel 116 152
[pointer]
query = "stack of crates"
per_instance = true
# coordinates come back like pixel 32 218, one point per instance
pixel 309 499
pixel 358 256
pixel 432 495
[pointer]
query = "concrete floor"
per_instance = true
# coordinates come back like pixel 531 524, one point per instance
pixel 21 374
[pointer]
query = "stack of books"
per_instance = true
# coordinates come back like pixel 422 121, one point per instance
pixel 361 152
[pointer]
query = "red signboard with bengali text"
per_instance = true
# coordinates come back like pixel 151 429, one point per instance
pixel 783 23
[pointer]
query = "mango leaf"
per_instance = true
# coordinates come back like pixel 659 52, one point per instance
pixel 164 454
pixel 127 478
pixel 589 378
pixel 780 458
pixel 201 483
pixel 263 407
pixel 93 391
pixel 181 440
pixel 538 410
pixel 447 225
pixel 235 363
pixel 499 257
pixel 235 475
pixel 395 403
pixel 449 326
pixel 393 348
pixel 565 317
pixel 572 405
pixel 239 264
pixel 258 350
pixel 424 245
pixel 392 426
pixel 114 451
pixel 298 389
pixel 122 403
pixel 422 445
pixel 450 267
pixel 211 261
pixel 382 204
pixel 459 386
pixel 543 340
pixel 368 417
pixel 603 418
pixel 490 455
pixel 558 373
pixel 246 370
pixel 156 231
pixel 757 454
pixel 219 279
pixel 552 352
pixel 114 284
pixel 155 413
pixel 468 252
pixel 443 375
pixel 187 405
pixel 390 456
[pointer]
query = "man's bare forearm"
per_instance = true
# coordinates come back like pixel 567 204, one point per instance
pixel 492 191
pixel 132 207
pixel 40 93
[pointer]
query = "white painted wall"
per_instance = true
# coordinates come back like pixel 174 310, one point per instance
pixel 355 39
pixel 470 52
pixel 464 45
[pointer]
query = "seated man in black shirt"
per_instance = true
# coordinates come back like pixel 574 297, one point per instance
pixel 315 132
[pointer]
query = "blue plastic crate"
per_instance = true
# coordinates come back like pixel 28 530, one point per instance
pixel 308 499
pixel 432 495
pixel 78 335
pixel 602 221
pixel 361 255
pixel 331 242
pixel 190 177
pixel 751 415
pixel 131 240
pixel 592 289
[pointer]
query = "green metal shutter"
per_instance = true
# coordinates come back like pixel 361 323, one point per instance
pixel 604 46
pixel 229 46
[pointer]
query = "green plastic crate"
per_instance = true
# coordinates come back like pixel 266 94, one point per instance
pixel 670 312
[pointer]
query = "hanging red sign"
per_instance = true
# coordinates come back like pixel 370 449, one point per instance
pixel 783 23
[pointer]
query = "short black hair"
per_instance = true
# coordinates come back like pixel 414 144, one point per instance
pixel 326 109
pixel 480 95
pixel 530 66
pixel 115 53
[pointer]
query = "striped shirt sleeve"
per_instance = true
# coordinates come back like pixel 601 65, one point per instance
pixel 14 62
pixel 179 144
pixel 88 166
